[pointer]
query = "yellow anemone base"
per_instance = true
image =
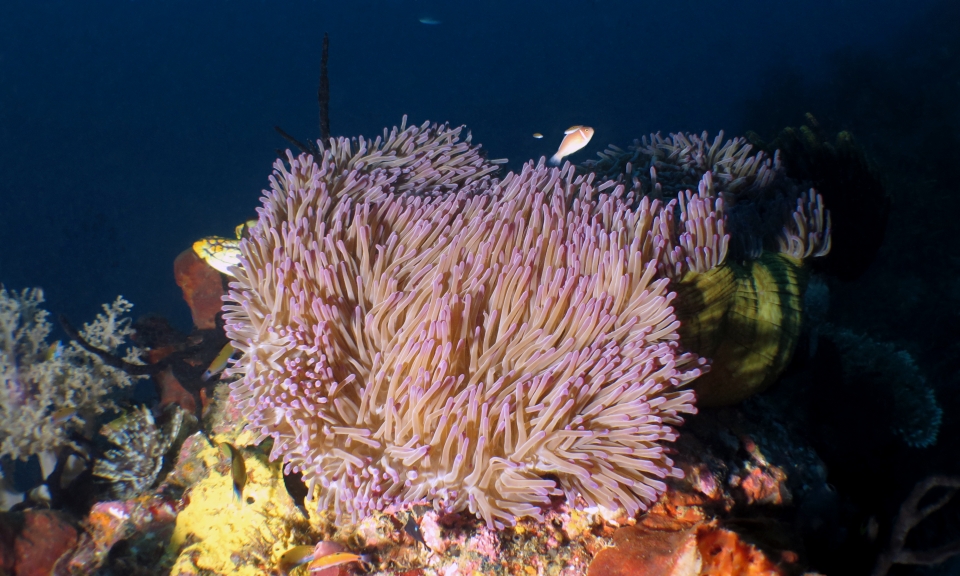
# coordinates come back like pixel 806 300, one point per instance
pixel 746 319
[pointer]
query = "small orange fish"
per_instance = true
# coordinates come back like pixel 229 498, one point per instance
pixel 331 560
pixel 576 138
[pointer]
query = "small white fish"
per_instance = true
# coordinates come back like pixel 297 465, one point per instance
pixel 576 138
pixel 537 135
pixel 429 21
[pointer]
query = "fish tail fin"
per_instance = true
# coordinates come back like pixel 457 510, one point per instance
pixel 555 160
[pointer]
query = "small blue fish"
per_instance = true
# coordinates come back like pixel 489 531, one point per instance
pixel 429 21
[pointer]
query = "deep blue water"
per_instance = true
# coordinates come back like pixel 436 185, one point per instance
pixel 130 129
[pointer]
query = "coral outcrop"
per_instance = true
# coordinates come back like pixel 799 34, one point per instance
pixel 730 514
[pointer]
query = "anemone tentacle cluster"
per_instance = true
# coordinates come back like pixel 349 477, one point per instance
pixel 486 348
pixel 758 195
pixel 676 158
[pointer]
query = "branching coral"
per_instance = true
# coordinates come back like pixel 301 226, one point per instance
pixel 47 391
pixel 412 331
pixel 911 514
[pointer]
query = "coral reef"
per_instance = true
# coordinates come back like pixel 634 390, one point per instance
pixel 202 288
pixel 474 374
pixel 487 346
pixel 34 542
pixel 177 361
pixel 48 391
pixel 130 535
pixel 703 549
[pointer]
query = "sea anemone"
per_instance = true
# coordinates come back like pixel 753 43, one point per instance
pixel 415 330
pixel 736 251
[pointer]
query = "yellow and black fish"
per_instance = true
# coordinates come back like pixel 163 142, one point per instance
pixel 219 363
pixel 219 253
pixel 238 470
pixel 222 253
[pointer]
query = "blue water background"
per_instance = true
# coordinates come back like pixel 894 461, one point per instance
pixel 130 129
